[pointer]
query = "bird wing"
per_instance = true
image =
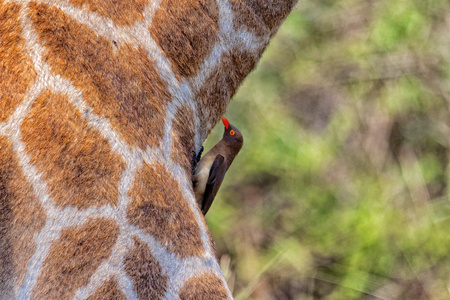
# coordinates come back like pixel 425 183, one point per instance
pixel 216 175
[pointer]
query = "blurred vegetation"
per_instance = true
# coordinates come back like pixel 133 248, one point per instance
pixel 341 189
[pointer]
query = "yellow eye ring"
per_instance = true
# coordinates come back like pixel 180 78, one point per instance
pixel 232 132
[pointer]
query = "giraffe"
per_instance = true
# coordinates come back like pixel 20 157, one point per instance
pixel 102 104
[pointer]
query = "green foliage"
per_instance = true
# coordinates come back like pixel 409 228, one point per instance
pixel 341 188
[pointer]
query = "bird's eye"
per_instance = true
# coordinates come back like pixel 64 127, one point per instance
pixel 232 132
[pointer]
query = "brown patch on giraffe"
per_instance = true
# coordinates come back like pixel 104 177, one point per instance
pixel 109 290
pixel 17 72
pixel 183 137
pixel 76 162
pixel 210 238
pixel 186 31
pixel 271 12
pixel 21 217
pixel 145 272
pixel 74 257
pixel 206 286
pixel 159 209
pixel 245 17
pixel 120 84
pixel 122 13
pixel 221 85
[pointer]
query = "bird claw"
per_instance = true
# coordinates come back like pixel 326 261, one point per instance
pixel 196 158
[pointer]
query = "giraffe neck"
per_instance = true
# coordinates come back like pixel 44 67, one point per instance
pixel 101 106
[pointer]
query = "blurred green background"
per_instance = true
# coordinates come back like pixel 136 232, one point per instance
pixel 341 189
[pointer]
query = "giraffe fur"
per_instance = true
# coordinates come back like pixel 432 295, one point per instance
pixel 101 105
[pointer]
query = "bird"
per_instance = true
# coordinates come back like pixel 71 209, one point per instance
pixel 211 168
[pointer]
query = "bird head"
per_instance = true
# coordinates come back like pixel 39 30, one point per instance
pixel 232 136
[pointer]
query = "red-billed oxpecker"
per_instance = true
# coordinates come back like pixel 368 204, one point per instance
pixel 211 169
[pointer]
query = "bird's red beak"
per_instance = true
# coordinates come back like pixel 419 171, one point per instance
pixel 226 123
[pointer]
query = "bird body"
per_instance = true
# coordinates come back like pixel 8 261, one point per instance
pixel 211 169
